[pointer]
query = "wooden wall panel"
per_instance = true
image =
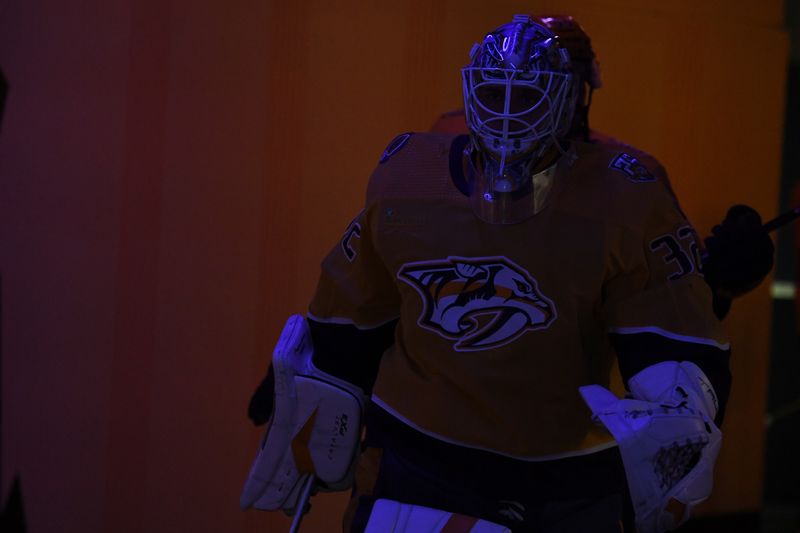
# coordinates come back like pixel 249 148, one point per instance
pixel 61 161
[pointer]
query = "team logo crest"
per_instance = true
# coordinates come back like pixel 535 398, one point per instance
pixel 480 303
pixel 631 167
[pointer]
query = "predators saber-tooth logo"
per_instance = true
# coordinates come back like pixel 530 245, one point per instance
pixel 480 303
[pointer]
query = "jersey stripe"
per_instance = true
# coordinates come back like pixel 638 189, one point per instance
pixel 342 321
pixel 670 335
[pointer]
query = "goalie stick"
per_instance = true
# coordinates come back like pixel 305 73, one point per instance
pixel 782 219
pixel 300 510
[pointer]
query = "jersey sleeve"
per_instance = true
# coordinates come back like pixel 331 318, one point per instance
pixel 656 304
pixel 655 283
pixel 355 287
pixel 355 307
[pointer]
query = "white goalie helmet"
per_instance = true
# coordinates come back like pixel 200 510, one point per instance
pixel 519 100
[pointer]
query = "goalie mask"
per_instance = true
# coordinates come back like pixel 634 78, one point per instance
pixel 519 99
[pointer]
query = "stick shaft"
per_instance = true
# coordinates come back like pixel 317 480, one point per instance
pixel 782 219
pixel 301 504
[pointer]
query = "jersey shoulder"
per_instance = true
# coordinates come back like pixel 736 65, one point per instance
pixel 620 183
pixel 621 162
pixel 627 153
pixel 415 165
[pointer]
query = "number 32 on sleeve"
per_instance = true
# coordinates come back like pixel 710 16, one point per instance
pixel 679 251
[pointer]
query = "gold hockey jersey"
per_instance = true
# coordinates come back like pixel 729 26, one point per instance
pixel 500 324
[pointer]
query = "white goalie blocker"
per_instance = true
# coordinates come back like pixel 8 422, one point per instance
pixel 667 439
pixel 315 428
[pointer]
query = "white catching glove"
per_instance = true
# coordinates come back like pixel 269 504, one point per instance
pixel 667 439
